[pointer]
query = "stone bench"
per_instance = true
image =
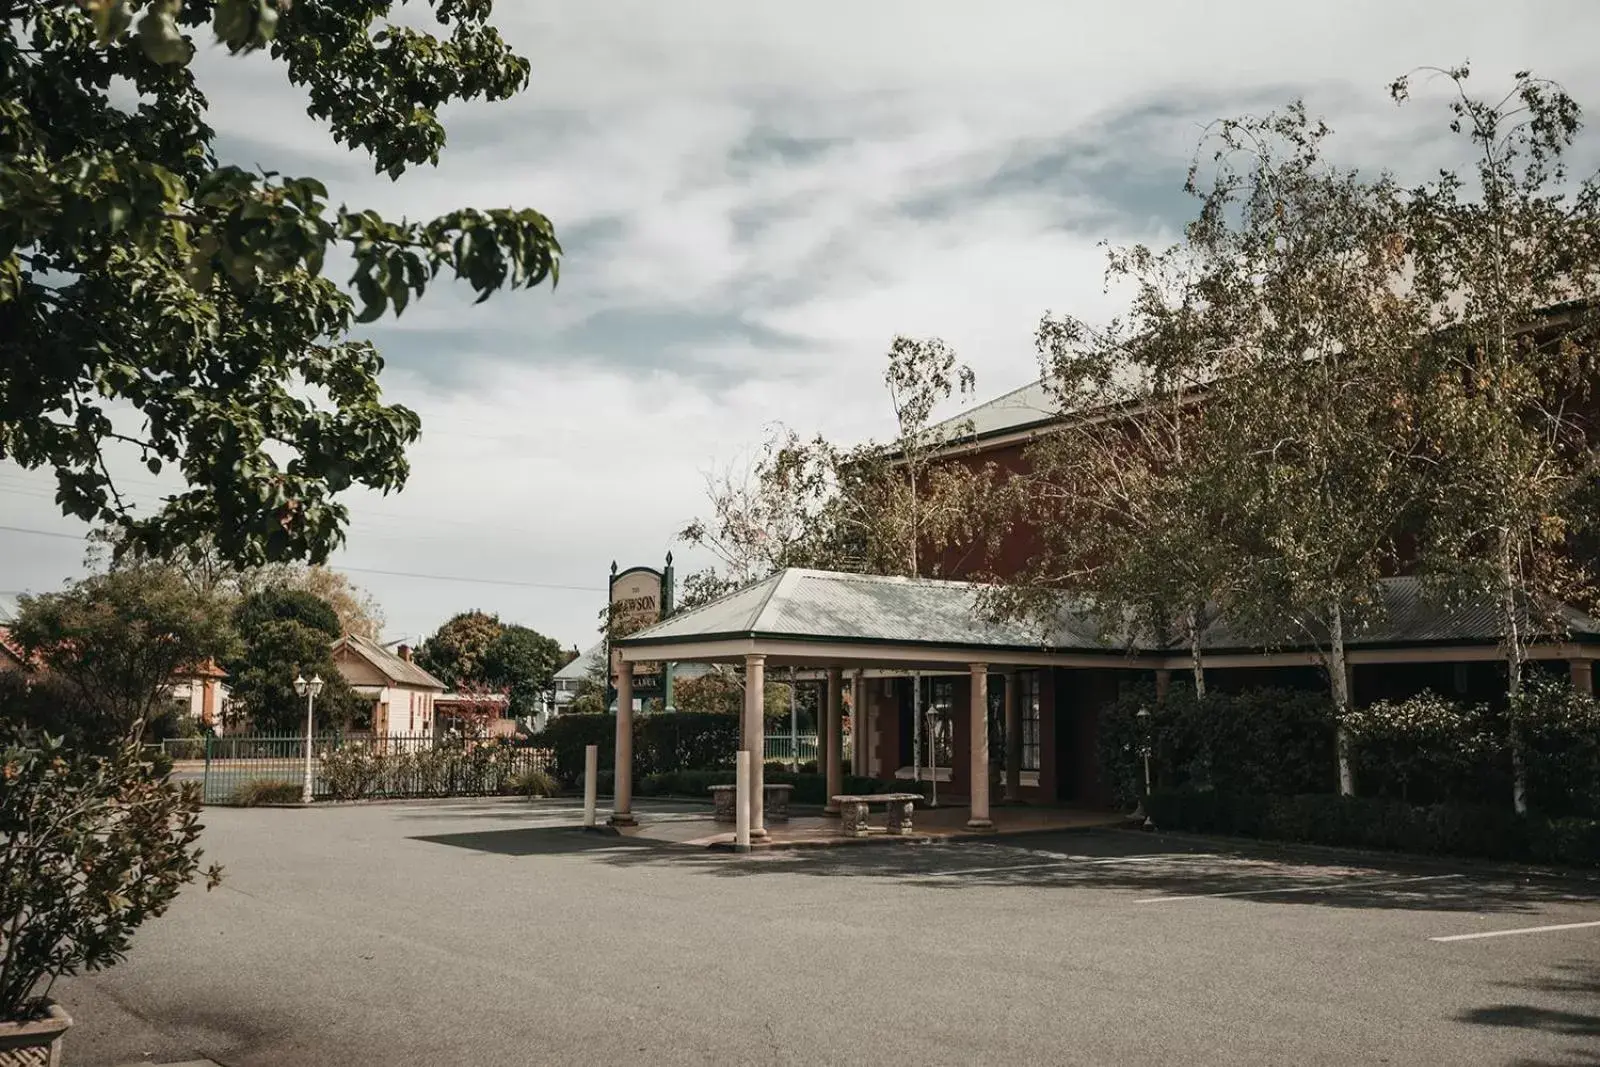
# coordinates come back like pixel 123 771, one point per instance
pixel 774 794
pixel 853 812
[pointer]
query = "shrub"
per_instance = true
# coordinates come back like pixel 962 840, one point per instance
pixel 684 740
pixel 532 782
pixel 1422 748
pixel 1560 732
pixel 352 771
pixel 79 887
pixel 1258 741
pixel 1492 832
pixel 265 791
pixel 566 736
pixel 690 783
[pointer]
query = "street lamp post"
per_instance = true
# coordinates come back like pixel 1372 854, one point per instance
pixel 309 690
pixel 1144 750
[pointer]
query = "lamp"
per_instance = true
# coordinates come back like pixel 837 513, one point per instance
pixel 310 690
pixel 1143 715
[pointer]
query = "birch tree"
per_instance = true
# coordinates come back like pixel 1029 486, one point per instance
pixel 1110 491
pixel 1507 255
pixel 1313 413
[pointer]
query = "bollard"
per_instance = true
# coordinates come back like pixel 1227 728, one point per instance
pixel 741 801
pixel 591 769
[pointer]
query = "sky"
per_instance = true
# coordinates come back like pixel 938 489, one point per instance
pixel 754 200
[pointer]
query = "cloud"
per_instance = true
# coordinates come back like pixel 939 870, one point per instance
pixel 754 199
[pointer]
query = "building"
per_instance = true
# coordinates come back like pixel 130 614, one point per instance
pixel 566 683
pixel 403 695
pixel 203 694
pixel 1042 690
pixel 569 680
pixel 11 655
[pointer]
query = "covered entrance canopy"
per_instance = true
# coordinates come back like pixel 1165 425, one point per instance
pixel 871 624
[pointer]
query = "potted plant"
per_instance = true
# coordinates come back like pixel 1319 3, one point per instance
pixel 93 846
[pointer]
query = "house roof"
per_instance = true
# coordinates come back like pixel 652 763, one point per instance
pixel 830 605
pixel 810 605
pixel 1027 406
pixel 9 647
pixel 594 656
pixel 397 670
pixel 208 669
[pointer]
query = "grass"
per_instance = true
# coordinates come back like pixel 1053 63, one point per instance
pixel 533 782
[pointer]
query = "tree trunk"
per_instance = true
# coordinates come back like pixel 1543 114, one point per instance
pixel 1339 680
pixel 1512 638
pixel 1196 663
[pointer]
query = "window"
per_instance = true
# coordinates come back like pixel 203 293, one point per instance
pixel 940 720
pixel 1028 711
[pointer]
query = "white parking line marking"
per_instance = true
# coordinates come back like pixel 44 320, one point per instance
pixel 1519 930
pixel 1321 888
pixel 1065 861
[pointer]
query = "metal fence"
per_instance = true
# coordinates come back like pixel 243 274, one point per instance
pixel 353 767
pixel 785 749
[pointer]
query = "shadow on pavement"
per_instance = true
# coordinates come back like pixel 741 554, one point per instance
pixel 539 841
pixel 1153 866
pixel 1575 980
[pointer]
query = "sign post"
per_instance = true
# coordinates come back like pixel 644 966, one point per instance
pixel 635 603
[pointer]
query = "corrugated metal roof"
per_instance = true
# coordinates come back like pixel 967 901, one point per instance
pixel 1404 611
pixel 400 671
pixel 1026 406
pixel 816 605
pixel 866 607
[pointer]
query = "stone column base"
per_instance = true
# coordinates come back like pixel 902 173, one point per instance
pixel 980 824
pixel 623 818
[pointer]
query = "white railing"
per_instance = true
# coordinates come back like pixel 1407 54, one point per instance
pixel 786 749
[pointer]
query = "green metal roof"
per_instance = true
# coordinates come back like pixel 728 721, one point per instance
pixel 809 605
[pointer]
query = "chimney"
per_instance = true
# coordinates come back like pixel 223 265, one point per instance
pixel 404 652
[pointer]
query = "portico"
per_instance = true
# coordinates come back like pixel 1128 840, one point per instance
pixel 1040 692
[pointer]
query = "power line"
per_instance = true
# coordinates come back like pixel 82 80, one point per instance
pixel 460 578
pixel 373 570
pixel 43 533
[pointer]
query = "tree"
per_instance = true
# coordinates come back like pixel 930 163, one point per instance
pixel 120 639
pixel 722 690
pixel 458 650
pixel 922 500
pixel 285 634
pixel 356 610
pixel 207 570
pixel 771 515
pixel 1507 257
pixel 163 302
pixel 473 707
pixel 1112 491
pixel 1313 416
pixel 895 509
pixel 522 662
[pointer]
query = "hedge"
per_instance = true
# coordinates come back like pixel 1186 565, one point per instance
pixel 1259 741
pixel 809 789
pixel 1490 832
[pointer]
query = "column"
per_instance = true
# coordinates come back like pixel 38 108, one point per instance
pixel 835 780
pixel 1581 672
pixel 858 725
pixel 979 768
pixel 622 783
pixel 1013 740
pixel 755 739
pixel 822 729
pixel 1163 684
